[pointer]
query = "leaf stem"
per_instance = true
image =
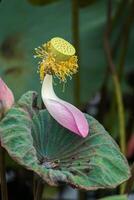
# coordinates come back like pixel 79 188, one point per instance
pixel 34 186
pixel 126 33
pixel 118 94
pixel 123 38
pixel 82 195
pixel 75 32
pixel 4 194
pixel 121 115
pixel 130 182
pixel 118 14
pixel 38 187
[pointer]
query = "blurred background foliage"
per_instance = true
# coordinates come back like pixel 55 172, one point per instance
pixel 25 25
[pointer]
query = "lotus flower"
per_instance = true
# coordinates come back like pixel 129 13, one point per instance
pixel 6 97
pixel 59 59
pixel 63 112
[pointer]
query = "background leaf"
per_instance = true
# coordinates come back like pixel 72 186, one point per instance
pixel 41 2
pixel 30 26
pixel 116 197
pixel 40 144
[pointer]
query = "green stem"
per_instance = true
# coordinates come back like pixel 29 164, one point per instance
pixel 130 182
pixel 121 116
pixel 114 20
pixel 125 36
pixel 39 192
pixel 119 12
pixel 38 189
pixel 34 186
pixel 117 88
pixel 75 32
pixel 4 195
pixel 82 195
pixel 124 39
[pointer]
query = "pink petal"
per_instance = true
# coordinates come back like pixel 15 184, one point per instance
pixel 68 116
pixel 6 96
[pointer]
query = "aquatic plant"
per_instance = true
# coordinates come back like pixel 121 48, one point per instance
pixel 35 140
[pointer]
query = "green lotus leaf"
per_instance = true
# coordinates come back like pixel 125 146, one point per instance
pixel 36 141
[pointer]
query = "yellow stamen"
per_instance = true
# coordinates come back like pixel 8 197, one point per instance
pixel 58 58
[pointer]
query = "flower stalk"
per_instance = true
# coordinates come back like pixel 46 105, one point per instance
pixel 4 194
pixel 76 39
pixel 117 87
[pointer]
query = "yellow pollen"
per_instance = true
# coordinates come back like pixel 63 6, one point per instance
pixel 58 58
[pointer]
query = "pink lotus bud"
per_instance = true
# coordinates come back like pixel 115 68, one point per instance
pixel 63 112
pixel 6 97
